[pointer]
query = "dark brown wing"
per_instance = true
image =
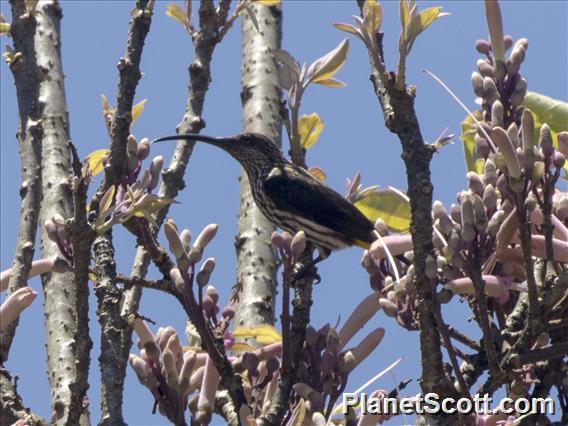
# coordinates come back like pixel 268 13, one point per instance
pixel 297 191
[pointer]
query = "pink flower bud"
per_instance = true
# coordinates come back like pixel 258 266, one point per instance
pixel 482 46
pixel 546 141
pixel 298 244
pixel 14 304
pixel 497 114
pixel 205 273
pixel 143 372
pixel 367 345
pixel 500 138
pixel 562 138
pixel 143 149
pixel 489 172
pixel 477 83
pixel 474 183
pixel 485 68
pixel 205 236
pixel 278 240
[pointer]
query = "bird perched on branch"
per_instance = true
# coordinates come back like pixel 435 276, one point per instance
pixel 290 197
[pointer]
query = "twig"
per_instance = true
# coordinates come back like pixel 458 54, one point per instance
pixel 400 118
pixel 462 338
pixel 300 319
pixel 114 355
pixel 13 409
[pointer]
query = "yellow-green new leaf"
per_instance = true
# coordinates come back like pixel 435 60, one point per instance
pixel 95 161
pixel 331 82
pixel 388 205
pixel 404 14
pixel 468 131
pixel 318 173
pixel 269 2
pixel 137 111
pixel 347 28
pixel 4 28
pixel 426 17
pixel 373 16
pixel 176 13
pixel 326 66
pixel 264 334
pixel 242 347
pixel 309 128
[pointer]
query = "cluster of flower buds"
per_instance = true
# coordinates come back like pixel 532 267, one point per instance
pixel 290 248
pixel 169 372
pixel 174 373
pixel 391 273
pixel 133 198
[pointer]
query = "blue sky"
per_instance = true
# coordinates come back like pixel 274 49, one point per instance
pixel 354 140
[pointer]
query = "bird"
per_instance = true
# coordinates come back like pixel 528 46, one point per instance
pixel 290 197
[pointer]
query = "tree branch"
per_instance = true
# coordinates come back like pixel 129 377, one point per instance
pixel 26 77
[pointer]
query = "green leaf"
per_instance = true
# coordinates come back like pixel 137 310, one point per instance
pixel 95 161
pixel 389 205
pixel 468 130
pixel 548 110
pixel 309 128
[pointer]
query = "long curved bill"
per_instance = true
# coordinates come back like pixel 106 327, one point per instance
pixel 187 137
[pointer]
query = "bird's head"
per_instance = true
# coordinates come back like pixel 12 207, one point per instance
pixel 246 148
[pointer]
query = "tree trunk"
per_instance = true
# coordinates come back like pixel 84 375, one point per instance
pixel 261 98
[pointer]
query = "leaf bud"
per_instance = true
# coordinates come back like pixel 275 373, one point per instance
pixel 228 312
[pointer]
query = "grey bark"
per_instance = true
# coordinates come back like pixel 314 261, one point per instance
pixel 64 314
pixel 26 78
pixel 261 99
